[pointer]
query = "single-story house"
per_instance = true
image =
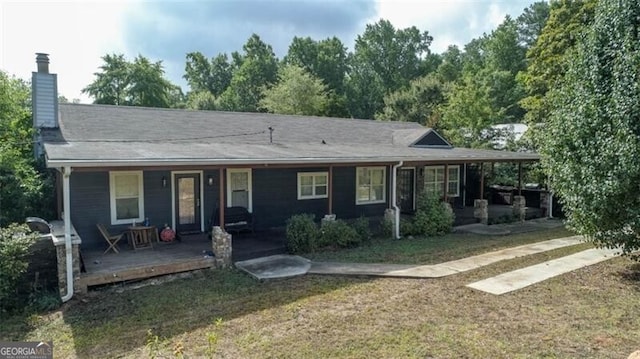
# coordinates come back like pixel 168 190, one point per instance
pixel 121 165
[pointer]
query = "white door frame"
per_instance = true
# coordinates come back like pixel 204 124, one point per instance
pixel 249 185
pixel 173 197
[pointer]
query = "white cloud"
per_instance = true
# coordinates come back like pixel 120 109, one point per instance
pixel 75 34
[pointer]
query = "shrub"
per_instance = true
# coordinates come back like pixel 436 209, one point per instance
pixel 386 227
pixel 302 233
pixel 338 233
pixel 363 228
pixel 406 227
pixel 15 241
pixel 433 217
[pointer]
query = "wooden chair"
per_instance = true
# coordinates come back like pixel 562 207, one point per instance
pixel 112 240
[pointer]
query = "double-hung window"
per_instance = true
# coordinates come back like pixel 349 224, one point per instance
pixel 434 180
pixel 370 185
pixel 312 185
pixel 126 194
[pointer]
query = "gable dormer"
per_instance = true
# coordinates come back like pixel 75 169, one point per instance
pixel 431 139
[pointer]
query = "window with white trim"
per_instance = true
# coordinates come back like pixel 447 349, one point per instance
pixel 434 180
pixel 370 185
pixel 313 185
pixel 126 193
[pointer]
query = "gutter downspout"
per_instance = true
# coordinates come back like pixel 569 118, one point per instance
pixel 66 204
pixel 393 198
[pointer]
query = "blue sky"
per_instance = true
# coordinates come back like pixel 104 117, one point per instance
pixel 77 33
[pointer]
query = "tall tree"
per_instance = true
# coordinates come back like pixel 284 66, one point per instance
pixel 111 84
pixel 212 75
pixel 147 85
pixel 365 92
pixel 592 142
pixel 137 83
pixel 296 93
pixel 531 22
pixel 417 103
pixel 547 59
pixel 23 190
pixel 256 68
pixel 327 60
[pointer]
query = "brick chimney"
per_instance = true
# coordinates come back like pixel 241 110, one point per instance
pixel 44 96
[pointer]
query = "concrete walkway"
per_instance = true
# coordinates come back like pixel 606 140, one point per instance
pixel 442 269
pixel 527 276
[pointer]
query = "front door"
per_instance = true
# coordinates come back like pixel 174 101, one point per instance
pixel 239 188
pixel 187 202
pixel 406 186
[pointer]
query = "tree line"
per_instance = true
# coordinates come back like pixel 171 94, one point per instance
pixel 391 75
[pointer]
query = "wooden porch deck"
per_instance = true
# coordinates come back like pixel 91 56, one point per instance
pixel 188 254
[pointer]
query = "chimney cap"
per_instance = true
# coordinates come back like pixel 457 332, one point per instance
pixel 42 60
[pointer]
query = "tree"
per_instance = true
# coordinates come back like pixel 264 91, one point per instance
pixel 418 103
pixel 547 59
pixel 296 93
pixel 326 60
pixel 388 59
pixel 592 142
pixel 531 22
pixel 255 69
pixel 23 190
pixel 147 84
pixel 137 83
pixel 110 85
pixel 213 76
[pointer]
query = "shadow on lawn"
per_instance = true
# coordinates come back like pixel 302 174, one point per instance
pixel 115 322
pixel 631 275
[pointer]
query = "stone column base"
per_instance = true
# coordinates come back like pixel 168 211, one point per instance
pixel 481 210
pixel 221 243
pixel 519 207
pixel 61 254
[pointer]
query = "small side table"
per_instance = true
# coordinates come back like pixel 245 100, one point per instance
pixel 141 236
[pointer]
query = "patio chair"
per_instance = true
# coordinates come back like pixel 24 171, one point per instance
pixel 111 239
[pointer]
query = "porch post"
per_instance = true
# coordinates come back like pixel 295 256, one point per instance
pixel 519 178
pixel 482 180
pixel 330 189
pixel 464 185
pixel 222 201
pixel 446 183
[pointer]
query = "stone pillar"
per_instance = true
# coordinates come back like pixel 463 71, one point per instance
pixel 221 242
pixel 519 207
pixel 481 210
pixel 390 217
pixel 61 253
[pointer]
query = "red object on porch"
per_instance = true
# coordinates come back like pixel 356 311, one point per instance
pixel 167 235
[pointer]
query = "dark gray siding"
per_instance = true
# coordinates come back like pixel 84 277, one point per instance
pixel 275 197
pixel 344 196
pixel 211 196
pixel 89 197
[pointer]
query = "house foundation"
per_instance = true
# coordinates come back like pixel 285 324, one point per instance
pixel 221 242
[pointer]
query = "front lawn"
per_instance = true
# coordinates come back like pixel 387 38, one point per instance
pixel 589 313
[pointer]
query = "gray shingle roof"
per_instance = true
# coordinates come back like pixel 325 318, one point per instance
pixel 102 135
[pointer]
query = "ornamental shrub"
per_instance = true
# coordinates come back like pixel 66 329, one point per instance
pixel 15 241
pixel 432 217
pixel 302 233
pixel 339 234
pixel 362 227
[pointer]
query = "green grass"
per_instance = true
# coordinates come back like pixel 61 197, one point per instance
pixel 589 313
pixel 433 250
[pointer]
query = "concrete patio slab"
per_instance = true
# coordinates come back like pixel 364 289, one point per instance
pixel 517 279
pixel 442 269
pixel 276 266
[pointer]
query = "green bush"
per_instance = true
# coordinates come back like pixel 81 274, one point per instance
pixel 363 228
pixel 339 234
pixel 433 217
pixel 15 241
pixel 406 227
pixel 386 227
pixel 302 233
